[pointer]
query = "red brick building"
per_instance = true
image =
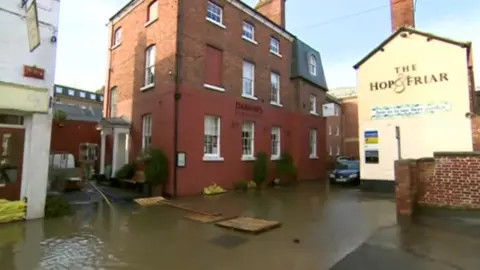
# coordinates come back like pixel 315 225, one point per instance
pixel 334 129
pixel 217 81
pixel 349 117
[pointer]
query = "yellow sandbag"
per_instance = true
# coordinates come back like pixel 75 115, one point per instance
pixel 12 217
pixel 213 190
pixel 12 207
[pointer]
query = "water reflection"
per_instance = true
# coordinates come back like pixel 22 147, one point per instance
pixel 131 237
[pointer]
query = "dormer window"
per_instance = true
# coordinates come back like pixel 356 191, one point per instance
pixel 312 65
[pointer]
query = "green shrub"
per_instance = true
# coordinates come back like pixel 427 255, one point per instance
pixel 59 115
pixel 285 165
pixel 240 185
pixel 127 171
pixel 251 185
pixel 260 168
pixel 56 206
pixel 156 167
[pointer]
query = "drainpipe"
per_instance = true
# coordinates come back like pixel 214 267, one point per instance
pixel 177 95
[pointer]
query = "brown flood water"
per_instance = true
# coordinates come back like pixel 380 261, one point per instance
pixel 329 224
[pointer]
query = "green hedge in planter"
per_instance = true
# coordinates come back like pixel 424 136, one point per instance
pixel 127 171
pixel 260 168
pixel 155 167
pixel 285 167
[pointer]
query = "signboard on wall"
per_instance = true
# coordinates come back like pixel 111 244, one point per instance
pixel 371 147
pixel 407 76
pixel 407 110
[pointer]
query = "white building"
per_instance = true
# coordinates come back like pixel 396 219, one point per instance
pixel 27 70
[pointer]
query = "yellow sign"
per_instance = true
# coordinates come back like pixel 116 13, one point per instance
pixel 32 26
pixel 371 140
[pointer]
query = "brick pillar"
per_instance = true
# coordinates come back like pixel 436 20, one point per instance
pixel 404 188
pixel 475 125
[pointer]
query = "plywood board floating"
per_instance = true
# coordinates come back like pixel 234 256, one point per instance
pixel 249 225
pixel 149 201
pixel 207 218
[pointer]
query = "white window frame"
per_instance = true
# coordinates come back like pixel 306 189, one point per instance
pixel 277 132
pixel 93 96
pixel 117 37
pixel 248 29
pixel 209 119
pixel 113 101
pixel 248 127
pixel 146 132
pixel 59 90
pixel 82 94
pixel 312 64
pixel 248 82
pixel 337 133
pixel 71 92
pixel 313 104
pixel 329 130
pixel 149 67
pixel 330 152
pixel 313 143
pixel 275 89
pixel 152 16
pixel 338 150
pixel 215 14
pixel 275 46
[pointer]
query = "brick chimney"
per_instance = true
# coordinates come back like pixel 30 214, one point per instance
pixel 273 9
pixel 402 12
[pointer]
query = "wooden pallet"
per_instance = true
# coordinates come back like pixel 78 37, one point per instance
pixel 249 225
pixel 150 201
pixel 207 218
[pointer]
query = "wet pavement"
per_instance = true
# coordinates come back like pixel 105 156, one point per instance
pixel 345 229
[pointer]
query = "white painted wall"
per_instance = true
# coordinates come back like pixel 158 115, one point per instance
pixel 423 134
pixel 14 55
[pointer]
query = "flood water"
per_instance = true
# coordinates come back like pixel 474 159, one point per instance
pixel 329 224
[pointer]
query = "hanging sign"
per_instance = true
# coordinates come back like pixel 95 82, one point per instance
pixel 32 26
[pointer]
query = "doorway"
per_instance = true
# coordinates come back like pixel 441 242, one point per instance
pixel 11 159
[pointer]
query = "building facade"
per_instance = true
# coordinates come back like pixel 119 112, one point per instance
pixel 347 96
pixel 415 92
pixel 73 96
pixel 83 111
pixel 215 82
pixel 27 65
pixel 334 128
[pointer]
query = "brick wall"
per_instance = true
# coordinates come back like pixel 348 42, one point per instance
pixel 68 135
pixel 350 127
pixel 455 181
pixel 334 139
pixel 450 179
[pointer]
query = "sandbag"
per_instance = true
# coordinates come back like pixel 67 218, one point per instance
pixel 12 210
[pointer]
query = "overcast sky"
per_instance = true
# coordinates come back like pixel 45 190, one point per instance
pixel 344 31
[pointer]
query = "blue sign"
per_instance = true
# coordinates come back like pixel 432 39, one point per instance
pixel 371 134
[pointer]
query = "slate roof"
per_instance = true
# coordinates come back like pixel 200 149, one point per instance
pixel 79 113
pixel 412 31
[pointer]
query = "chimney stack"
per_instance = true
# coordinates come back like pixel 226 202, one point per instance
pixel 273 9
pixel 402 12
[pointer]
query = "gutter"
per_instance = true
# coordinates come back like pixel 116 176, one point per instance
pixel 177 96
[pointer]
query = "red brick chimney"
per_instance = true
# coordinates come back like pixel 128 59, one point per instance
pixel 273 9
pixel 402 12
